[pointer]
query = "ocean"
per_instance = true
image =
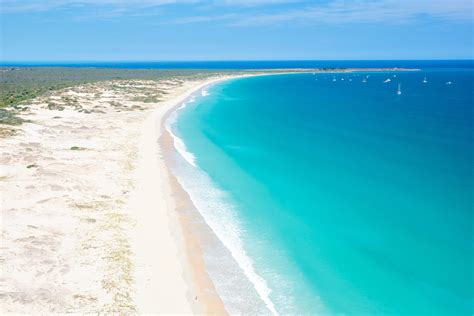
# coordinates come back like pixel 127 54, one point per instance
pixel 333 193
pixel 246 64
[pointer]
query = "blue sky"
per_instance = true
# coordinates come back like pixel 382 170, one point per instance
pixel 84 30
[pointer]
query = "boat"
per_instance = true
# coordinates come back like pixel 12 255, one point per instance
pixel 387 80
pixel 399 91
pixel 449 82
pixel 364 80
pixel 424 80
pixel 334 79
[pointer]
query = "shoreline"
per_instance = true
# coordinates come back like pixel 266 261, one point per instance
pixel 195 285
pixel 197 235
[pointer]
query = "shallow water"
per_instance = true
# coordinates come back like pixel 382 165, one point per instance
pixel 340 196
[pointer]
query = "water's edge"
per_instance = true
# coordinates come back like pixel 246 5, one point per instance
pixel 225 261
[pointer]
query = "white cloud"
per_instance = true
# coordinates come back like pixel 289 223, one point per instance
pixel 253 3
pixel 10 6
pixel 369 11
pixel 254 12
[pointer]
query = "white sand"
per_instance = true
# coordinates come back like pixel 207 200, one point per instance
pixel 159 274
pixel 92 228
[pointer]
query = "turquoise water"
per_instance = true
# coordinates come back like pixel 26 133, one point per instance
pixel 346 198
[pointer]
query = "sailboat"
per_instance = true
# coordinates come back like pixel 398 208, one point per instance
pixel 424 80
pixel 399 91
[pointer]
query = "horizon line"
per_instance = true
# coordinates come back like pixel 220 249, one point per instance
pixel 223 60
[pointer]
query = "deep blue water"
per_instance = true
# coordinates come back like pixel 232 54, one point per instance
pixel 253 64
pixel 347 198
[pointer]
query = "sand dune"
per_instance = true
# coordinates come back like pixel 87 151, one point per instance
pixel 87 214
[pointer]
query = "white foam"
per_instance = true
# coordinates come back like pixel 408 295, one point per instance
pixel 185 103
pixel 221 217
pixel 181 148
pixel 178 142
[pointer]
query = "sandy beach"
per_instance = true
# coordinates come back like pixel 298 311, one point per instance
pixel 92 218
pixel 88 216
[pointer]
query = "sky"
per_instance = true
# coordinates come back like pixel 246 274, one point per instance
pixel 178 30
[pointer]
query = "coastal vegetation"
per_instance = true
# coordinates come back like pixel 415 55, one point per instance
pixel 18 84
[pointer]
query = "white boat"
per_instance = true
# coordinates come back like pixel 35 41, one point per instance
pixel 364 80
pixel 387 80
pixel 449 82
pixel 334 79
pixel 399 91
pixel 424 80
